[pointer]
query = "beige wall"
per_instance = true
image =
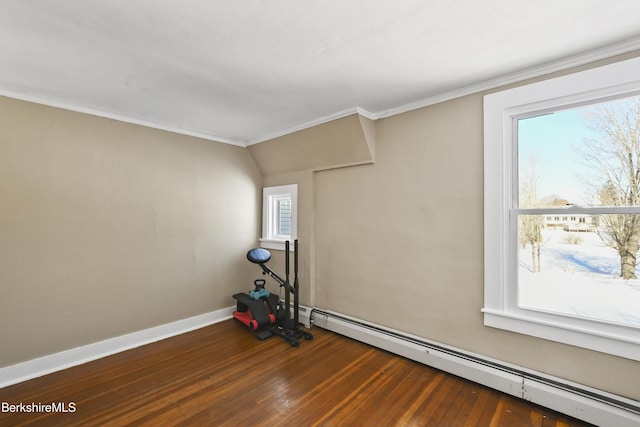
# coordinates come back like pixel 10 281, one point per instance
pixel 108 228
pixel 400 243
pixel 294 159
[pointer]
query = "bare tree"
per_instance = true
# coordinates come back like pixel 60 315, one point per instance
pixel 615 156
pixel 530 225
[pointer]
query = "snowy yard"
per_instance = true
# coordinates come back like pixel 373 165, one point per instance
pixel 579 279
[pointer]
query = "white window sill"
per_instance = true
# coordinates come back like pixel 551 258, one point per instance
pixel 623 342
pixel 277 245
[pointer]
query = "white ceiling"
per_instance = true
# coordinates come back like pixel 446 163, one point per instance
pixel 244 71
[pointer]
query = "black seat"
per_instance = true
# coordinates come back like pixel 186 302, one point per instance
pixel 258 256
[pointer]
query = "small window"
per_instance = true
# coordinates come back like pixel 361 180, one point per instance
pixel 279 215
pixel 566 149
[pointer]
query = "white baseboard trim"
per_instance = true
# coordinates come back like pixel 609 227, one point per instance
pixel 304 315
pixel 576 400
pixel 24 371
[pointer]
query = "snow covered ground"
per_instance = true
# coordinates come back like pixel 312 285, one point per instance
pixel 579 279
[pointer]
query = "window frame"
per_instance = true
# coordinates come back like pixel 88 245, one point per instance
pixel 501 112
pixel 270 195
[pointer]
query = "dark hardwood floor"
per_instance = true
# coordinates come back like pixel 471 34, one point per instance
pixel 222 376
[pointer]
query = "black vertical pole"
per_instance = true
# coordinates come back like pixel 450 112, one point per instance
pixel 287 290
pixel 295 286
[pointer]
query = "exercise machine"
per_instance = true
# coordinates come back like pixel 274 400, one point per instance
pixel 262 311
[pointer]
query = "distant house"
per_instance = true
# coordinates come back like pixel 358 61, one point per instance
pixel 573 222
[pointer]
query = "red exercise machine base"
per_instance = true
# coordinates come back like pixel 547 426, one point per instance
pixel 247 318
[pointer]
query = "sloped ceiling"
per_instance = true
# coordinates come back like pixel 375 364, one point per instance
pixel 246 71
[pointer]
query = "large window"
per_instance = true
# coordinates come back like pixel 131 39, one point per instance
pixel 279 215
pixel 562 209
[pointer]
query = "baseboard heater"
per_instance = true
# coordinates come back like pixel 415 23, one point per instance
pixel 578 401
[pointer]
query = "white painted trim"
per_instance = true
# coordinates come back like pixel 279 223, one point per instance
pixel 116 116
pixel 533 72
pixel 581 406
pixel 597 336
pixel 322 120
pixel 367 114
pixel 559 65
pixel 518 76
pixel 65 359
pixel 269 223
pixel 576 400
pixel 304 315
pixel 277 245
pixel 501 308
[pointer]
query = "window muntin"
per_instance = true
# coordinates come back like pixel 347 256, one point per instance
pixel 508 206
pixel 587 156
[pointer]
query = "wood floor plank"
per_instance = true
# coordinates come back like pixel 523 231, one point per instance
pixel 222 375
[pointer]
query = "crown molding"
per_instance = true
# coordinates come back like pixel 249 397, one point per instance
pixel 515 77
pixel 115 116
pixel 322 120
pixel 519 76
